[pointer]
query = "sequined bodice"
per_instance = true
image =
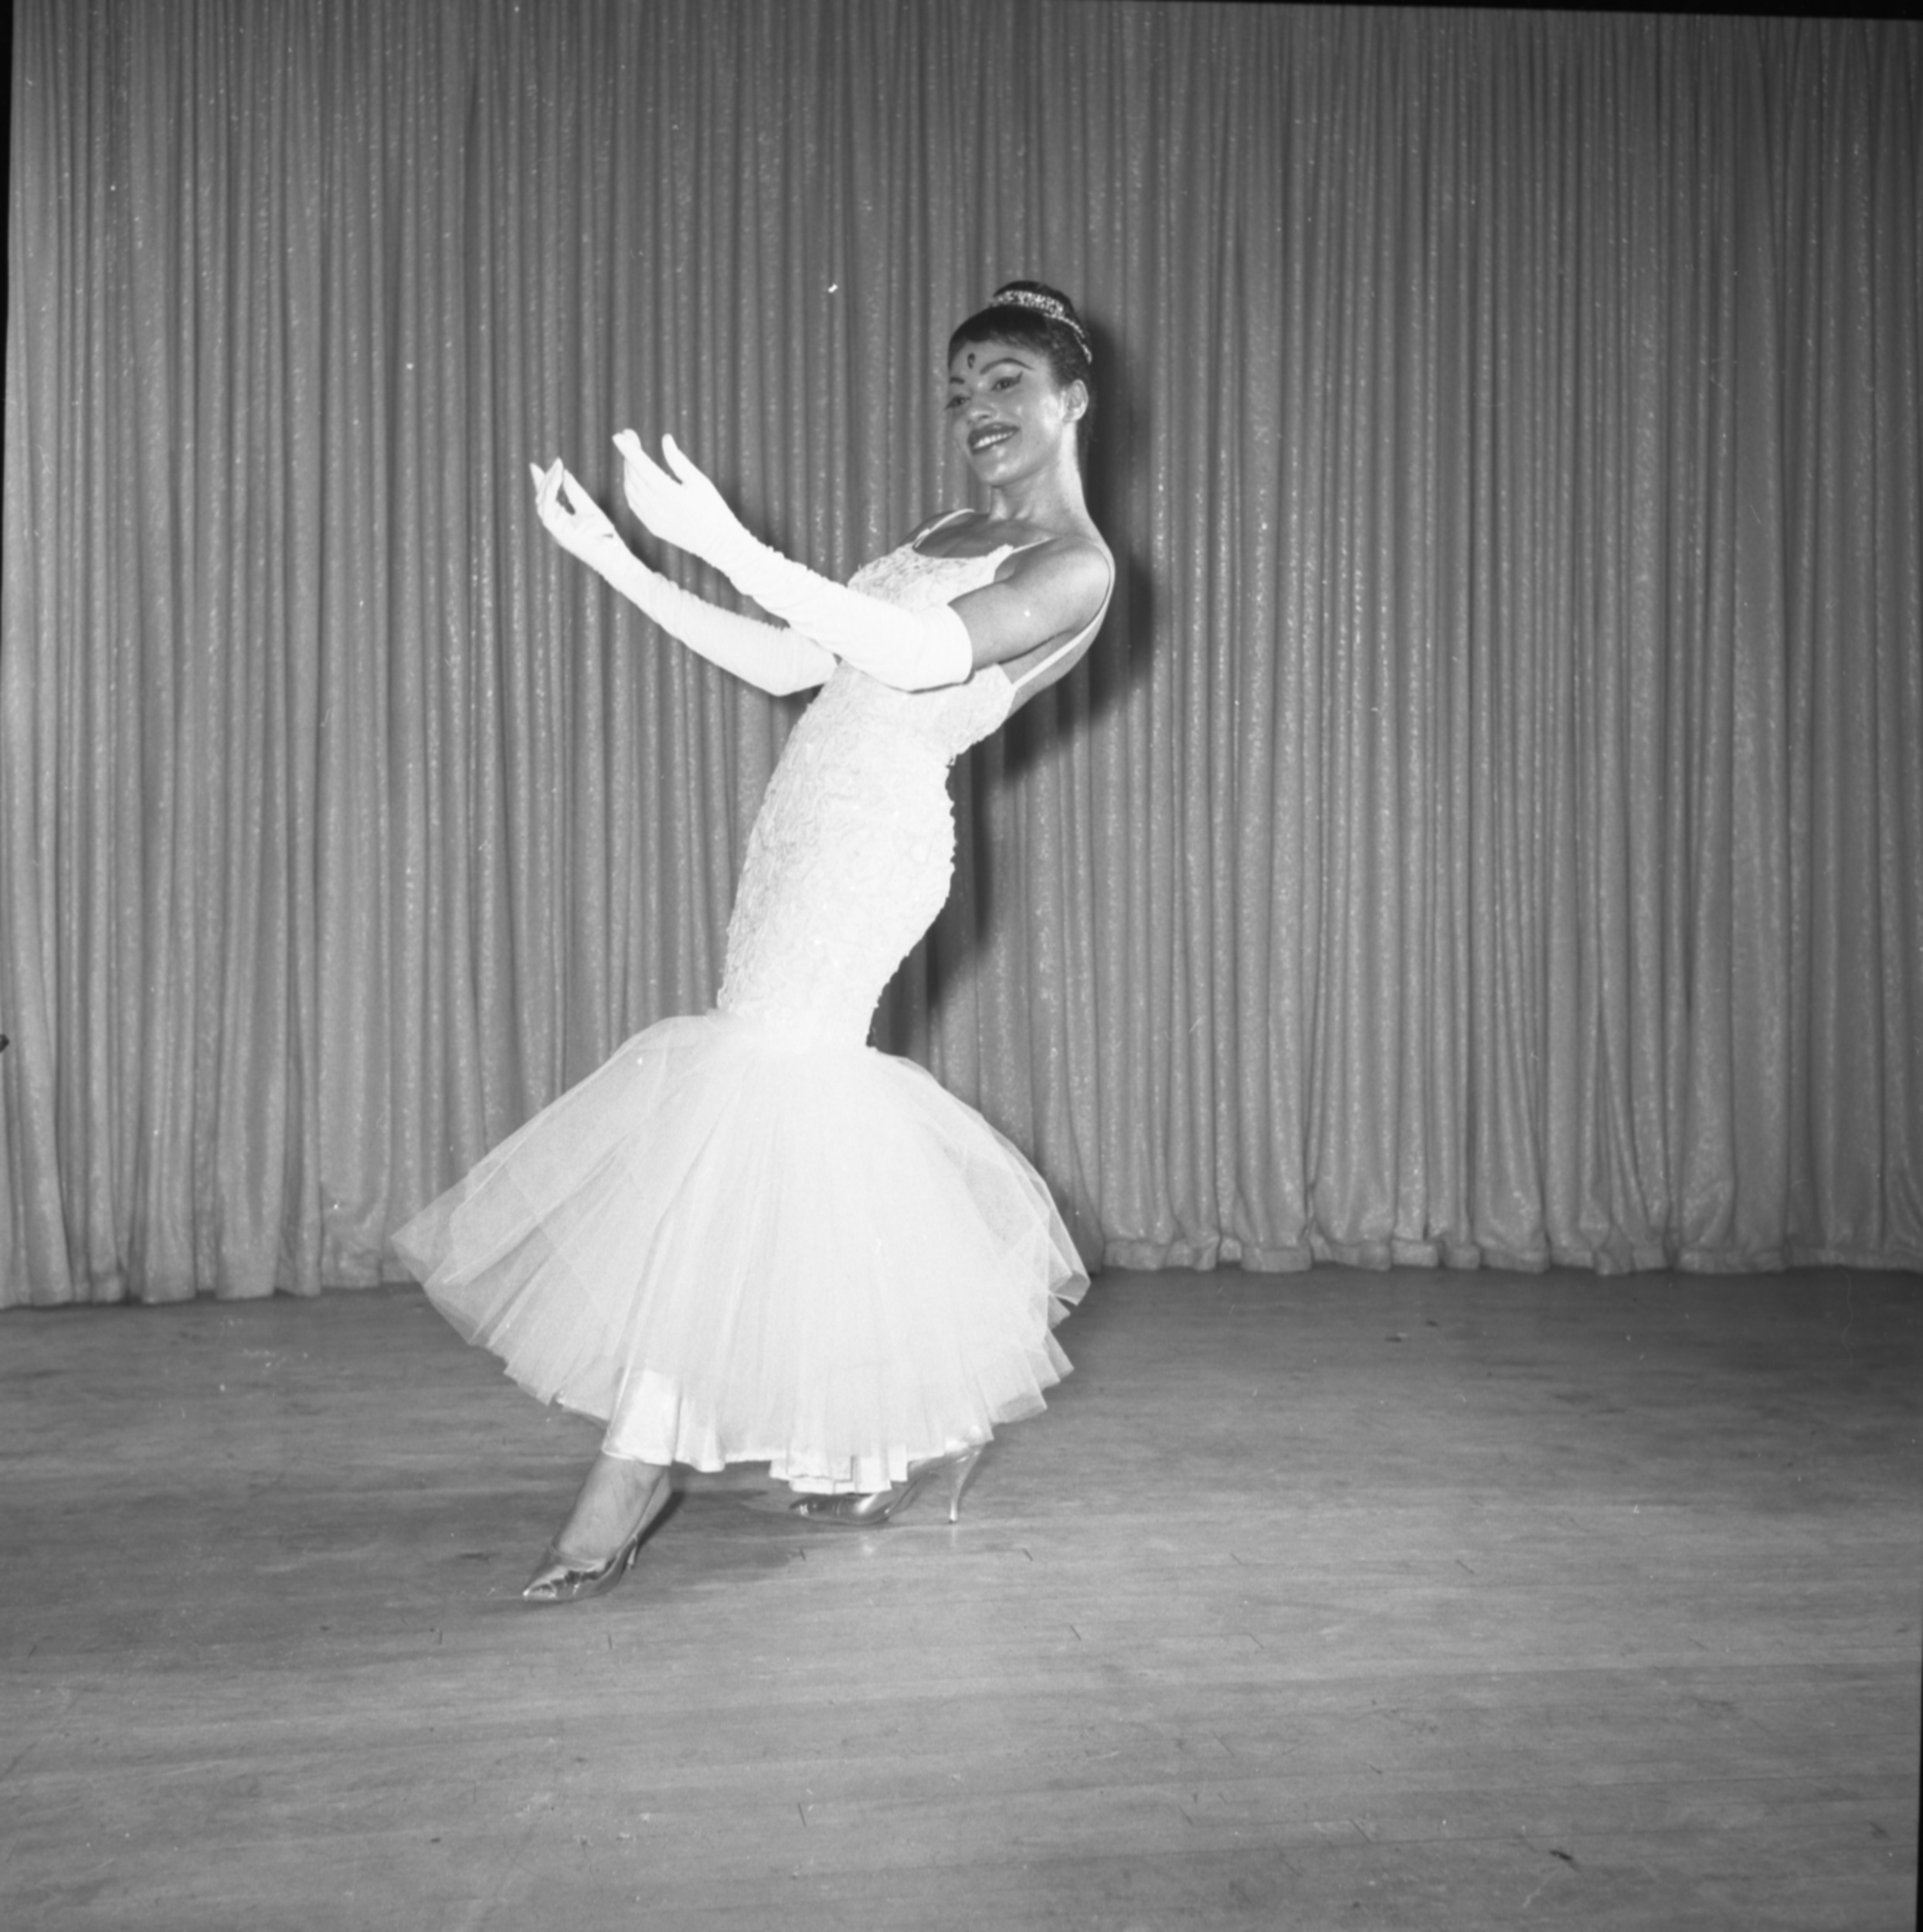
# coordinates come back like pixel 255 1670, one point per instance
pixel 853 850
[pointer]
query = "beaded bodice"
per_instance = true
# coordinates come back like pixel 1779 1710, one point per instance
pixel 852 852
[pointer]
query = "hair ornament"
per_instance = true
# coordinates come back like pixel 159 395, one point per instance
pixel 1048 305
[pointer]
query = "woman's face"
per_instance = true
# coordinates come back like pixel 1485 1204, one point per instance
pixel 1005 411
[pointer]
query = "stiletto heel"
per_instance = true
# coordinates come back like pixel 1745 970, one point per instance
pixel 560 1579
pixel 869 1511
pixel 961 1469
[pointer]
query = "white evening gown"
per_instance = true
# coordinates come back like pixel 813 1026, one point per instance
pixel 749 1237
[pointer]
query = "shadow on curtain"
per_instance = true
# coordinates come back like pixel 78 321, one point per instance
pixel 1486 832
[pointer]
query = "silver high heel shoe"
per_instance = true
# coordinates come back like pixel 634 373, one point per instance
pixel 869 1511
pixel 560 1579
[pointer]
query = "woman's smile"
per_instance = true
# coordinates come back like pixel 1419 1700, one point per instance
pixel 988 434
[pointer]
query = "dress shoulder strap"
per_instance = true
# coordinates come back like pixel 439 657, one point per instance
pixel 940 523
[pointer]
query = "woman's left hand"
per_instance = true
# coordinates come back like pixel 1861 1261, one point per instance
pixel 684 509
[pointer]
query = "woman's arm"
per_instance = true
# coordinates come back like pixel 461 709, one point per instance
pixel 1048 595
pixel 912 650
pixel 1050 592
pixel 768 656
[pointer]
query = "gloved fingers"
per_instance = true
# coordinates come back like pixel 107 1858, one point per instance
pixel 689 472
pixel 682 507
pixel 570 516
pixel 547 489
pixel 699 488
pixel 652 493
pixel 638 463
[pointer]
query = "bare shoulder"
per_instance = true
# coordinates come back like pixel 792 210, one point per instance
pixel 1078 557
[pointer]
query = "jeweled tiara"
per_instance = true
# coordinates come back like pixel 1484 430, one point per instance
pixel 1048 305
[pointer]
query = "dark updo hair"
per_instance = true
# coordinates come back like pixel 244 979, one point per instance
pixel 1042 320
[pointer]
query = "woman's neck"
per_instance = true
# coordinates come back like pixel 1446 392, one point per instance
pixel 1050 499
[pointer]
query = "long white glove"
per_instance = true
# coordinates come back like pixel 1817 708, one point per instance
pixel 912 650
pixel 773 659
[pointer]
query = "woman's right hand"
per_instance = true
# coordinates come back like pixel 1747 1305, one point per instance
pixel 573 518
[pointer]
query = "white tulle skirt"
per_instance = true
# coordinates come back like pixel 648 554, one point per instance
pixel 736 1249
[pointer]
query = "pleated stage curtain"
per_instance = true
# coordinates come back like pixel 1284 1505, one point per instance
pixel 1488 830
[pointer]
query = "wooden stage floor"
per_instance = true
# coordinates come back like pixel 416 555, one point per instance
pixel 1344 1600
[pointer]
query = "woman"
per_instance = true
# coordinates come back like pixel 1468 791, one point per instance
pixel 748 1237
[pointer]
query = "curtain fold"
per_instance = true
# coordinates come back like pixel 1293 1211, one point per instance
pixel 1486 831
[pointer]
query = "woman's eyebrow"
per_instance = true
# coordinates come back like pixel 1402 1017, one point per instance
pixel 996 364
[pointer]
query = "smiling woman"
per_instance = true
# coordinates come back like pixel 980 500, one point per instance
pixel 748 1237
pixel 1021 405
